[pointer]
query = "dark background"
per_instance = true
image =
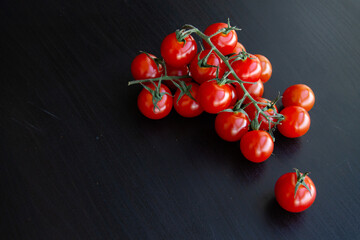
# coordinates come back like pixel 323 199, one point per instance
pixel 78 160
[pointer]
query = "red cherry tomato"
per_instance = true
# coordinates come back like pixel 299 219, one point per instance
pixel 238 48
pixel 296 122
pixel 285 192
pixel 255 90
pixel 225 43
pixel 203 74
pixel 266 68
pixel 143 67
pixel 178 53
pixel 248 70
pixel 252 112
pixel 256 146
pixel 234 95
pixel 299 95
pixel 231 126
pixel 214 97
pixel 181 71
pixel 187 107
pixel 146 106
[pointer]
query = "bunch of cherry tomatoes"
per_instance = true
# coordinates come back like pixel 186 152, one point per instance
pixel 226 80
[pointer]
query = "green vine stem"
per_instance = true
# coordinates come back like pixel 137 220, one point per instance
pixel 191 29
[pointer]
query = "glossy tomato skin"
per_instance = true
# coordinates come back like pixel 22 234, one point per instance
pixel 296 123
pixel 255 90
pixel 238 48
pixel 266 68
pixel 146 106
pixel 285 190
pixel 225 43
pixel 214 97
pixel 252 112
pixel 143 67
pixel 256 146
pixel 248 70
pixel 234 95
pixel 299 95
pixel 231 126
pixel 178 54
pixel 179 71
pixel 203 74
pixel 187 107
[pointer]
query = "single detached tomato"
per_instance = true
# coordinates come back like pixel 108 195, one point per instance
pixel 180 71
pixel 214 97
pixel 299 95
pixel 178 53
pixel 256 146
pixel 144 67
pixel 231 126
pixel 146 105
pixel 224 42
pixel 266 68
pixel 296 122
pixel 186 106
pixel 239 48
pixel 295 192
pixel 271 111
pixel 234 95
pixel 203 74
pixel 248 70
pixel 255 90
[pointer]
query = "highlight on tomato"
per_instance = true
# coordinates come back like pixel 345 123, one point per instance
pixel 255 90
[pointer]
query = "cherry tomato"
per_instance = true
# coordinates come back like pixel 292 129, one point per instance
pixel 214 97
pixel 256 146
pixel 266 68
pixel 187 107
pixel 255 90
pixel 299 95
pixel 146 106
pixel 143 67
pixel 248 70
pixel 180 71
pixel 178 53
pixel 231 126
pixel 285 192
pixel 225 43
pixel 252 112
pixel 296 122
pixel 203 74
pixel 234 95
pixel 238 48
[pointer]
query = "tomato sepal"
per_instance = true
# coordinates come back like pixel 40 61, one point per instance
pixel 156 94
pixel 300 181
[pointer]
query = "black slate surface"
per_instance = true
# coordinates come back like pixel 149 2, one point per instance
pixel 78 160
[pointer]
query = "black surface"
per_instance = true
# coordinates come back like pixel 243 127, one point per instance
pixel 78 161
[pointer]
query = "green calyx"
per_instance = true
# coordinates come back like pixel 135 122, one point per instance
pixel 300 180
pixel 156 94
pixel 158 61
pixel 184 90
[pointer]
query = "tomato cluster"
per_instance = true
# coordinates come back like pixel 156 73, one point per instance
pixel 221 79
